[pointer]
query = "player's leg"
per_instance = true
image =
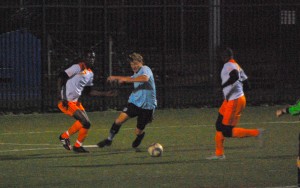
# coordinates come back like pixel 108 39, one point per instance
pixel 82 124
pixel 219 140
pixel 232 116
pixel 122 118
pixel 82 117
pixel 67 108
pixel 145 117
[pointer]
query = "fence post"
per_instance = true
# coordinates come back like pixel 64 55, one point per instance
pixel 214 39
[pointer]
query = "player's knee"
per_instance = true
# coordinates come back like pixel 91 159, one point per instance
pixel 227 132
pixel 86 124
pixel 140 126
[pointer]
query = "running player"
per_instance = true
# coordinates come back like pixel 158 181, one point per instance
pixel 234 80
pixel 72 83
pixel 141 103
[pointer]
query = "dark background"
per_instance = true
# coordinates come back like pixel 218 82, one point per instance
pixel 178 39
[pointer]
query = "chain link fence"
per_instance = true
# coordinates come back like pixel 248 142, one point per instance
pixel 178 39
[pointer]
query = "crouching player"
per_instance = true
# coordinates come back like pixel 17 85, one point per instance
pixel 72 83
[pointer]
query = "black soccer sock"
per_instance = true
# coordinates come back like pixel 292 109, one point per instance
pixel 113 131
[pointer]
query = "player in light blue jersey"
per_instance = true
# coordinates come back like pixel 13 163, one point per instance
pixel 142 101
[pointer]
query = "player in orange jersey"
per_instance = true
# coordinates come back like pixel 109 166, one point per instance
pixel 72 83
pixel 234 81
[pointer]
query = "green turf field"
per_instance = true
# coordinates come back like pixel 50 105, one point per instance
pixel 31 155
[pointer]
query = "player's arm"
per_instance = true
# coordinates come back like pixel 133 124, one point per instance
pixel 62 80
pixel 128 79
pixel 88 90
pixel 233 77
pixel 246 85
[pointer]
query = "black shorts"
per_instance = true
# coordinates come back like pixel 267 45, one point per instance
pixel 144 116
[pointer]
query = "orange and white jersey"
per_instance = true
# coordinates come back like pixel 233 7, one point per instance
pixel 234 90
pixel 79 77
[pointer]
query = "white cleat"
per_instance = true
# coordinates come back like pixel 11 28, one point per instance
pixel 216 157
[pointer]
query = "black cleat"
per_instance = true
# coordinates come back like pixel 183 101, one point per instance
pixel 138 140
pixel 65 142
pixel 80 150
pixel 104 143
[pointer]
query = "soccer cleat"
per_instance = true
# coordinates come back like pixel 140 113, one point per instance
pixel 104 143
pixel 138 140
pixel 260 137
pixel 216 157
pixel 80 150
pixel 65 142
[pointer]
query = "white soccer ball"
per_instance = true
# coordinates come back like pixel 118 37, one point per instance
pixel 155 149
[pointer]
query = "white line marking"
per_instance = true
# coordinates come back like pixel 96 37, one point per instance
pixel 16 144
pixel 30 149
pixel 194 125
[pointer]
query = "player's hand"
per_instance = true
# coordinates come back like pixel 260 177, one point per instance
pixel 65 104
pixel 122 80
pixel 112 78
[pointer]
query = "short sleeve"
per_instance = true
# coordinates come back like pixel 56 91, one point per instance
pixel 146 71
pixel 74 69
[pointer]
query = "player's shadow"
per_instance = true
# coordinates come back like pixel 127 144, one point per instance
pixel 134 164
pixel 64 155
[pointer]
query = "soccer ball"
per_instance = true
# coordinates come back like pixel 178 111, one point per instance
pixel 155 149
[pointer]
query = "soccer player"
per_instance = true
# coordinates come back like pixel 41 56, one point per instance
pixel 72 83
pixel 142 101
pixel 234 80
pixel 292 110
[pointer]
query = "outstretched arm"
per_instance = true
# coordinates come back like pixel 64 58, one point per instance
pixel 88 90
pixel 128 79
pixel 293 110
pixel 62 80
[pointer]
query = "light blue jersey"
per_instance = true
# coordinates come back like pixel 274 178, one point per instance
pixel 144 93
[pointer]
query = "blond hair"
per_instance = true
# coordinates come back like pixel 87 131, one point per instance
pixel 135 57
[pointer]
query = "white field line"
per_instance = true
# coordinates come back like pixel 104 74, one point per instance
pixel 95 146
pixel 163 127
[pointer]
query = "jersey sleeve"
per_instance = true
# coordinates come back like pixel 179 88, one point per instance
pixel 90 82
pixel 229 67
pixel 74 69
pixel 146 71
pixel 243 75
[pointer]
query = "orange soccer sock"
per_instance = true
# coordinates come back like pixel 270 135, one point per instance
pixel 72 130
pixel 75 128
pixel 219 138
pixel 241 132
pixel 81 137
